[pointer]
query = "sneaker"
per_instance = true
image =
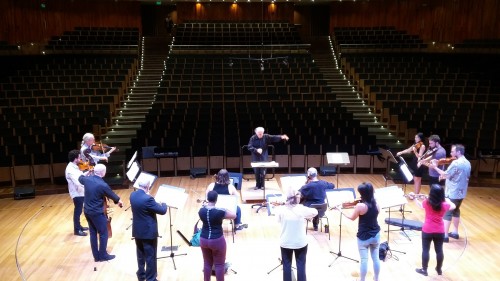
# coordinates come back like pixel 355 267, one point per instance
pixel 315 228
pixel 453 235
pixel 446 240
pixel 439 271
pixel 256 188
pixel 421 271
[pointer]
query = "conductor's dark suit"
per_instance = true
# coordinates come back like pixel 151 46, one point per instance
pixel 145 232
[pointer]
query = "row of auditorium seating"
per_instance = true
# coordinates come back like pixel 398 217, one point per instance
pixel 224 34
pixel 96 39
pixel 454 96
pixel 346 38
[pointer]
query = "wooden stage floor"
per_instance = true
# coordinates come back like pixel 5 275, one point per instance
pixel 38 243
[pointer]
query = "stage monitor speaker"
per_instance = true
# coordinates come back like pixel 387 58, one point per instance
pixel 197 172
pixel 327 170
pixel 24 192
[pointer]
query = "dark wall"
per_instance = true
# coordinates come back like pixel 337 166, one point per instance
pixel 449 21
pixel 25 21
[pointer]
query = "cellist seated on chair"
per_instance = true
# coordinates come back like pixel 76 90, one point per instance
pixel 92 153
pixel 314 192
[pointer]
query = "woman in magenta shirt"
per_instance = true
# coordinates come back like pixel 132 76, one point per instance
pixel 435 206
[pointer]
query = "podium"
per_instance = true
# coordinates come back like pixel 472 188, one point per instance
pixel 337 158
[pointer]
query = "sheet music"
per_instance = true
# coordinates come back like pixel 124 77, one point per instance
pixel 390 196
pixel 133 171
pixel 338 158
pixel 228 202
pixel 274 198
pixel 174 197
pixel 295 182
pixel 132 160
pixel 145 176
pixel 338 196
pixel 406 172
pixel 271 164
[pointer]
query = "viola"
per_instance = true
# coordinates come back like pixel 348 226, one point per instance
pixel 85 165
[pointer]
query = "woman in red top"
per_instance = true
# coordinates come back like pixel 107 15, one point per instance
pixel 435 206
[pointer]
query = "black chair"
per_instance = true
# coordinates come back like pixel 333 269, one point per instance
pixel 322 208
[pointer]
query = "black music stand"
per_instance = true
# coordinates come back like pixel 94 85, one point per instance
pixel 266 165
pixel 335 198
pixel 406 176
pixel 337 158
pixel 175 198
pixel 389 157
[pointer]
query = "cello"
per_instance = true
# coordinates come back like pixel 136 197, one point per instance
pixel 107 213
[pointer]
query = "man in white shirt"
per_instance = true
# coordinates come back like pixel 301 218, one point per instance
pixel 76 190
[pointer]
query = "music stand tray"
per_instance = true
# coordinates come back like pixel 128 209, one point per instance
pixel 337 158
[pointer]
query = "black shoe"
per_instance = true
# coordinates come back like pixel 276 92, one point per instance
pixel 421 271
pixel 107 258
pixel 453 235
pixel 315 228
pixel 256 188
pixel 80 233
pixel 446 240
pixel 241 226
pixel 439 271
pixel 84 228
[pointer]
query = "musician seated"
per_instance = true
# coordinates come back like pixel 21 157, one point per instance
pixel 314 192
pixel 223 186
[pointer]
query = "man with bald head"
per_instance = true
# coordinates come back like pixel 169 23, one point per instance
pixel 314 192
pixel 96 191
pixel 145 229
pixel 257 145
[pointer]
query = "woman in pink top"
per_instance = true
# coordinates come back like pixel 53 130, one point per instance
pixel 435 206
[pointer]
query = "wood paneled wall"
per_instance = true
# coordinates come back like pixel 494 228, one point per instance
pixel 25 21
pixel 234 12
pixel 449 21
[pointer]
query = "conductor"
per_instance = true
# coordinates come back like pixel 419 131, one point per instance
pixel 258 145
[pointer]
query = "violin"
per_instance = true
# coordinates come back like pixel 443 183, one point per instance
pixel 446 161
pixel 412 196
pixel 101 147
pixel 351 204
pixel 418 145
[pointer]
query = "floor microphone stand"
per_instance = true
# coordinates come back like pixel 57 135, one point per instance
pixel 172 255
pixel 339 253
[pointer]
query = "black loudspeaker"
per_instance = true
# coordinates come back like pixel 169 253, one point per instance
pixel 24 192
pixel 197 172
pixel 327 170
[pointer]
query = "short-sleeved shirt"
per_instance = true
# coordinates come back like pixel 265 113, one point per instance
pixel 457 181
pixel 212 222
pixel 433 222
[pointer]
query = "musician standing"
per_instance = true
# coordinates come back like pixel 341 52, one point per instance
pixel 418 150
pixel 314 192
pixel 76 190
pixel 91 155
pixel 293 237
pixel 435 206
pixel 368 229
pixel 439 152
pixel 457 181
pixel 258 145
pixel 145 230
pixel 96 191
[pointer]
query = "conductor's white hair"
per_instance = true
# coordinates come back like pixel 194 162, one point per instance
pixel 100 169
pixel 259 129
pixel 312 172
pixel 144 184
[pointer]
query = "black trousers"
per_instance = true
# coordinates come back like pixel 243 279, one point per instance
pixel 146 259
pixel 438 239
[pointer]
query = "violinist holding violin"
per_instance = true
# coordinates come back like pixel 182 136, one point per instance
pixel 457 181
pixel 437 152
pixel 314 192
pixel 418 150
pixel 75 188
pixel 93 152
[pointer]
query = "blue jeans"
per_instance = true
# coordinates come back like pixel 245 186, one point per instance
pixel 300 261
pixel 78 202
pixel 371 244
pixel 238 216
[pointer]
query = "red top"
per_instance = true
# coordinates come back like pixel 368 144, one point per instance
pixel 434 220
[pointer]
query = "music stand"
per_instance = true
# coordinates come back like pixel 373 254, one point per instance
pixel 228 202
pixel 174 197
pixel 336 197
pixel 387 198
pixel 407 177
pixel 271 164
pixel 337 158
